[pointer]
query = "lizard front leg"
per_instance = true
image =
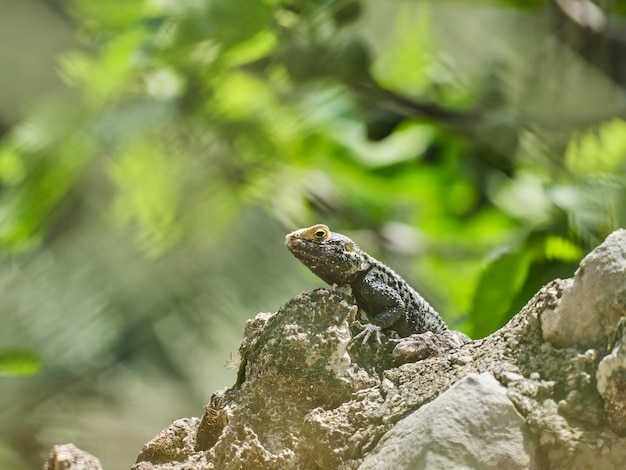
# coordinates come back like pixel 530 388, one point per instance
pixel 382 304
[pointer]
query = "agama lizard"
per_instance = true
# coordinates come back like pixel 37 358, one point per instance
pixel 386 299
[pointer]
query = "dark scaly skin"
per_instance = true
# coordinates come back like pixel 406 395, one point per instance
pixel 387 300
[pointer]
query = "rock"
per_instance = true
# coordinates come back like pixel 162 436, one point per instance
pixel 292 362
pixel 471 425
pixel 420 346
pixel 611 383
pixel 589 308
pixel 173 444
pixel 527 396
pixel 70 457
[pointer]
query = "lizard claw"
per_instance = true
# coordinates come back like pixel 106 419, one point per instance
pixel 368 329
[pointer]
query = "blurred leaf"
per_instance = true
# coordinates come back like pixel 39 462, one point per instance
pixel 594 205
pixel 406 60
pixel 242 95
pixel 115 69
pixel 43 160
pixel 16 362
pixel 598 150
pixel 148 194
pixel 562 249
pixel 500 282
pixel 228 22
pixel 253 49
pixel 11 167
pixel 347 11
pixel 525 4
pixel 108 14
pixel 523 197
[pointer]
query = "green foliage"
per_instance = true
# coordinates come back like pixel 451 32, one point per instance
pixel 477 147
pixel 147 194
pixel 16 362
pixel 601 150
pixel 493 298
pixel 188 113
pixel 40 163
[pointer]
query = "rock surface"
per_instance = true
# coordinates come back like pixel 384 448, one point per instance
pixel 70 457
pixel 611 378
pixel 473 424
pixel 528 396
pixel 588 311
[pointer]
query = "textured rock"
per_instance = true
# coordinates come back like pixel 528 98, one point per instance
pixel 588 311
pixel 307 398
pixel 471 425
pixel 611 378
pixel 538 393
pixel 291 363
pixel 174 444
pixel 421 346
pixel 70 457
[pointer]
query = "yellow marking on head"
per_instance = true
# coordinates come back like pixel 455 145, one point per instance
pixel 319 232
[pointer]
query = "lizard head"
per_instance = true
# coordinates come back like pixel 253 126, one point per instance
pixel 333 257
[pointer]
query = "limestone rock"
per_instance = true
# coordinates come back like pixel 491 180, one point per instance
pixel 611 378
pixel 173 444
pixel 292 362
pixel 538 393
pixel 471 425
pixel 589 308
pixel 70 457
pixel 421 346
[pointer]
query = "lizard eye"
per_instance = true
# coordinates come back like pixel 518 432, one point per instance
pixel 321 232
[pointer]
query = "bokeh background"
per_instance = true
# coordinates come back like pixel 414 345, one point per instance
pixel 153 154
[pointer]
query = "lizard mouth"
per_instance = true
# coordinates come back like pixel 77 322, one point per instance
pixel 296 244
pixel 292 238
pixel 303 249
pixel 295 239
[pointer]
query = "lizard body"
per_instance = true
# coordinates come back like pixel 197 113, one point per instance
pixel 386 299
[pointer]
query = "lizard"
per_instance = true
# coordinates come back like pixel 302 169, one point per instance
pixel 387 300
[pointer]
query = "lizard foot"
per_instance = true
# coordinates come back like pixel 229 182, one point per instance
pixel 368 329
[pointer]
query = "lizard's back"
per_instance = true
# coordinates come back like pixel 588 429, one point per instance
pixel 419 315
